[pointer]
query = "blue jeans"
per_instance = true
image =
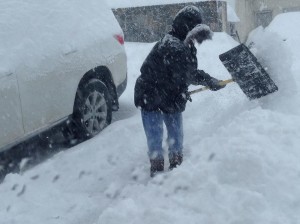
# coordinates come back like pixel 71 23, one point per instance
pixel 153 126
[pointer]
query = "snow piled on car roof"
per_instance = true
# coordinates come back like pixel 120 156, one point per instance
pixel 31 30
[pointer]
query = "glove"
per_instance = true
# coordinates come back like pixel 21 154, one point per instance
pixel 213 84
pixel 182 98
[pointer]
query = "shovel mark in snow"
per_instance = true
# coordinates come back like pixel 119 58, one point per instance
pixel 81 174
pixel 34 177
pixel 14 187
pixel 22 191
pixel 211 157
pixel 55 178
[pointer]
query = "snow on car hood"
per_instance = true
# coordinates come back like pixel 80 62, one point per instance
pixel 33 30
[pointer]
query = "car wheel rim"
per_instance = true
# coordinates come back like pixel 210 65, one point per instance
pixel 95 112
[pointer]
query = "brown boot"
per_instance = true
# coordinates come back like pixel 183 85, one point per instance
pixel 157 165
pixel 175 160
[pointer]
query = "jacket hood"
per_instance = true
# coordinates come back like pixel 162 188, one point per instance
pixel 185 20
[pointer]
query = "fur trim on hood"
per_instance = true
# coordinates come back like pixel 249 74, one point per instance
pixel 199 34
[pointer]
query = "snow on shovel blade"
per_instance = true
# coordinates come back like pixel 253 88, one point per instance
pixel 247 72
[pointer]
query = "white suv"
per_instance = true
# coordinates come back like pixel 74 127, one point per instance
pixel 59 59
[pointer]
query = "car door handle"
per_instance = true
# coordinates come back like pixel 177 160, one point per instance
pixel 73 51
pixel 6 74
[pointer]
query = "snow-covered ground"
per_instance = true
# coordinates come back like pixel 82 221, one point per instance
pixel 241 159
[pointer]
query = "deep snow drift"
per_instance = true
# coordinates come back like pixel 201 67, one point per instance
pixel 241 161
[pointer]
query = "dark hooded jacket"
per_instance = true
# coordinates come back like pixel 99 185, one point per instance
pixel 170 68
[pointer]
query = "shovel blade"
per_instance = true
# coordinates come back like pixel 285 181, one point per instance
pixel 248 72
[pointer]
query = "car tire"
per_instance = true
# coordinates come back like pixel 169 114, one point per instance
pixel 92 109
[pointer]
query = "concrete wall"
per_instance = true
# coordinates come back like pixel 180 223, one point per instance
pixel 253 13
pixel 150 23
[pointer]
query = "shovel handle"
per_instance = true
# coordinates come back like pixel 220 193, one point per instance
pixel 223 83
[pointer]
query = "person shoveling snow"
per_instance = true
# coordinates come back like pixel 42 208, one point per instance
pixel 161 91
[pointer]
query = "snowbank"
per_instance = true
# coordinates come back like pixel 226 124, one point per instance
pixel 277 49
pixel 237 175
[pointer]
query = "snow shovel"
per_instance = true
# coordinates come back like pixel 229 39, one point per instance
pixel 247 72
